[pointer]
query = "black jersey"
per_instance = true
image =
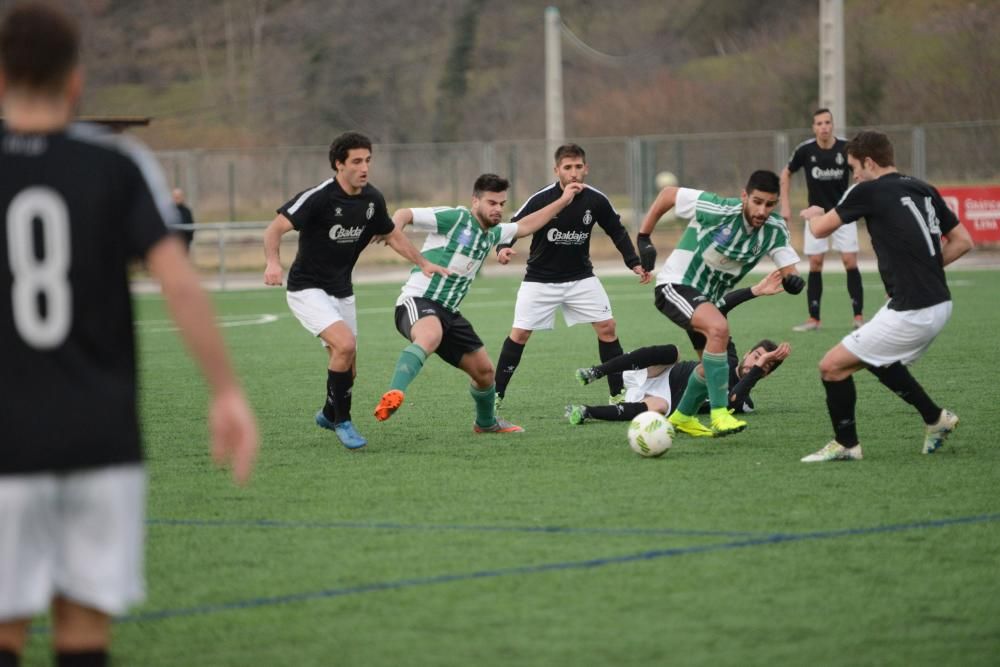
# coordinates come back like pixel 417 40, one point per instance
pixel 334 227
pixel 906 218
pixel 560 251
pixel 827 173
pixel 75 208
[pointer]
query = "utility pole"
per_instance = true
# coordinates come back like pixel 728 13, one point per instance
pixel 555 132
pixel 831 60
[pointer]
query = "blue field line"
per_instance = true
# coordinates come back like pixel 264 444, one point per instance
pixel 384 525
pixel 769 540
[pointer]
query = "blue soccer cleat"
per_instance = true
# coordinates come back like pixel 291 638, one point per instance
pixel 348 435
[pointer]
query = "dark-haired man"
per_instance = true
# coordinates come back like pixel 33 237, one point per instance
pixel 724 240
pixel 655 381
pixel 427 309
pixel 824 163
pixel 77 206
pixel 906 219
pixel 560 275
pixel 336 220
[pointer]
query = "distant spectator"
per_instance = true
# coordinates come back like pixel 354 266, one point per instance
pixel 186 233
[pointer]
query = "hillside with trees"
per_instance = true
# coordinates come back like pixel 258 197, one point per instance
pixel 294 72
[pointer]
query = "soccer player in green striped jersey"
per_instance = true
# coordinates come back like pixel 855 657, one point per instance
pixel 725 238
pixel 427 312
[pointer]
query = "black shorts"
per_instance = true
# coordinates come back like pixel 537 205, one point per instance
pixel 678 302
pixel 458 337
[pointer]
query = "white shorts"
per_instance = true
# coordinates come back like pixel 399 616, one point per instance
pixel 580 301
pixel 845 239
pixel 897 335
pixel 638 385
pixel 76 534
pixel 316 310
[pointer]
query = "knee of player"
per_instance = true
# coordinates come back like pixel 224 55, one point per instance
pixel 605 330
pixel 718 331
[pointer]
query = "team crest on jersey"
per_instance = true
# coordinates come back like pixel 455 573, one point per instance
pixel 338 212
pixel 840 158
pixel 723 235
pixel 812 158
pixel 371 210
pixel 587 218
pixel 465 237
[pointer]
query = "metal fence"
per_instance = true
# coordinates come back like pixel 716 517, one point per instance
pixel 226 186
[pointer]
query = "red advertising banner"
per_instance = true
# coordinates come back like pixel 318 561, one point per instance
pixel 979 210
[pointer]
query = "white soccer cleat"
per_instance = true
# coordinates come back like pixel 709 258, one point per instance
pixel 834 451
pixel 809 325
pixel 935 434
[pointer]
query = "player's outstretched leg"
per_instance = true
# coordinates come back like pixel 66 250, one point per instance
pixel 390 402
pixel 935 434
pixel 345 431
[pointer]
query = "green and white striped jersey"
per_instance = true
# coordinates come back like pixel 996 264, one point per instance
pixel 719 246
pixel 455 240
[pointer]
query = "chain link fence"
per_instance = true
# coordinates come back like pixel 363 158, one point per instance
pixel 245 186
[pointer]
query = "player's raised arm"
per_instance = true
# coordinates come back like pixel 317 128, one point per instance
pixel 231 422
pixel 785 186
pixel 272 244
pixel 531 223
pixel 822 224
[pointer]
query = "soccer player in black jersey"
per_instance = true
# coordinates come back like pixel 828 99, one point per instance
pixel 824 163
pixel 654 380
pixel 560 275
pixel 336 220
pixel 76 207
pixel 906 219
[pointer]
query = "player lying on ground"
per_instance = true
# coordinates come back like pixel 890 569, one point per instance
pixel 654 379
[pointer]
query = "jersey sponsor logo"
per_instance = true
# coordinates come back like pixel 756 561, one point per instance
pixel 342 234
pixel 587 218
pixel 371 210
pixel 827 174
pixel 567 238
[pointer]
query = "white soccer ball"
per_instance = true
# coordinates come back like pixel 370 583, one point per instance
pixel 650 434
pixel 665 179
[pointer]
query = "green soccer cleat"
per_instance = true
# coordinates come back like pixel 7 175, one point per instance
pixel 723 423
pixel 497 403
pixel 935 434
pixel 576 414
pixel 617 399
pixel 690 425
pixel 585 375
pixel 834 451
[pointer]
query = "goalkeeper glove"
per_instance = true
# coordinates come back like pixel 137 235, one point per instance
pixel 793 283
pixel 647 252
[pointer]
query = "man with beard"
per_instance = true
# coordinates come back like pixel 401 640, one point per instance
pixel 725 238
pixel 427 312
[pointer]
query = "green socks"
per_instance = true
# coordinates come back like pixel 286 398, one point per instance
pixel 716 378
pixel 485 405
pixel 411 360
pixel 694 395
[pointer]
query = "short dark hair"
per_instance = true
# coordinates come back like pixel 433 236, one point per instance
pixel 570 150
pixel 769 346
pixel 822 110
pixel 489 183
pixel 344 143
pixel 872 144
pixel 39 47
pixel 764 181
